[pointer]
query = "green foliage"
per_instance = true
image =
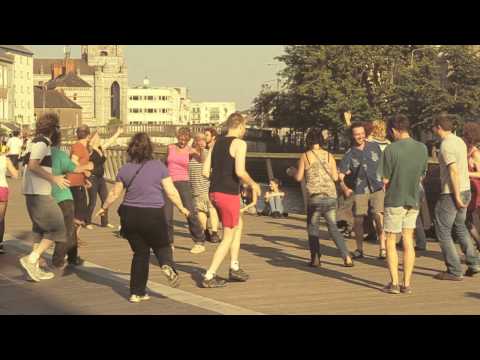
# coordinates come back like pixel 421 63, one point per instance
pixel 371 81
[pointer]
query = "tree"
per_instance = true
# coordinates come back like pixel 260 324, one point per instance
pixel 372 81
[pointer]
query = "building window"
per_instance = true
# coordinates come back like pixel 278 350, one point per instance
pixel 214 114
pixel 134 97
pixel 149 97
pixel 135 110
pixel 74 96
pixel 149 111
pixel 103 53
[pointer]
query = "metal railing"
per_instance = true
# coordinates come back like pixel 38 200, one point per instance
pixel 117 157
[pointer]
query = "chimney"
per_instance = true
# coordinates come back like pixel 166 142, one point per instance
pixel 69 66
pixel 57 70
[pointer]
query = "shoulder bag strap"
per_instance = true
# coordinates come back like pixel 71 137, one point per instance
pixel 134 176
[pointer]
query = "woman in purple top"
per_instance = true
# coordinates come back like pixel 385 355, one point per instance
pixel 142 214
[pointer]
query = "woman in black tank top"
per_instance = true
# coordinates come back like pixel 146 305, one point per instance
pixel 223 177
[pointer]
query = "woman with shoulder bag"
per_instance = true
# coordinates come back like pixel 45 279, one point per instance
pixel 142 214
pixel 320 171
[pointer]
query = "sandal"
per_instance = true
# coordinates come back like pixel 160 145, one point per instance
pixel 383 254
pixel 357 254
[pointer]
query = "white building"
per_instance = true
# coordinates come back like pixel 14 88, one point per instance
pixel 210 112
pixel 6 94
pixel 22 83
pixel 157 105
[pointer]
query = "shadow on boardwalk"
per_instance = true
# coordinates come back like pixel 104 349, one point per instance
pixel 277 257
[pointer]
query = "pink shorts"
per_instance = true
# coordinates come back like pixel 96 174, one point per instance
pixel 228 208
pixel 3 194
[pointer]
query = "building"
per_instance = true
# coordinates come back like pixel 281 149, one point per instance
pixel 66 80
pixel 157 105
pixel 53 100
pixel 103 67
pixel 22 83
pixel 213 113
pixel 6 93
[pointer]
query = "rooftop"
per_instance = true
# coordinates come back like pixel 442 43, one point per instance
pixel 44 66
pixel 67 80
pixel 53 99
pixel 5 57
pixel 17 48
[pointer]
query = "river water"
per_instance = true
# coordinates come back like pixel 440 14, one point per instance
pixel 293 202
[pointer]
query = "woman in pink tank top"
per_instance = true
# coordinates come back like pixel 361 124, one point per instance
pixel 471 136
pixel 178 157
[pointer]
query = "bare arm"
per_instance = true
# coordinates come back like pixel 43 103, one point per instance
pixel 173 195
pixel 207 164
pixel 455 183
pixel 333 168
pixel 476 164
pixel 110 141
pixel 11 169
pixel 113 195
pixel 240 151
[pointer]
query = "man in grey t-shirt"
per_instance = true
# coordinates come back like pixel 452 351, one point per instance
pixel 451 208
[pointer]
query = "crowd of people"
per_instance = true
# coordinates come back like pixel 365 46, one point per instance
pixel 204 176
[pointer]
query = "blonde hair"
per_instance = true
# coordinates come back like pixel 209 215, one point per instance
pixel 379 129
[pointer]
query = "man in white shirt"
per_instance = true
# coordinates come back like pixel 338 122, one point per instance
pixel 46 216
pixel 14 145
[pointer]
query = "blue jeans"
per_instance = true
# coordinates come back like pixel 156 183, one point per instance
pixel 447 216
pixel 276 204
pixel 318 207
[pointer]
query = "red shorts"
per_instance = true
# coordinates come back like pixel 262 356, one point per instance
pixel 3 194
pixel 228 208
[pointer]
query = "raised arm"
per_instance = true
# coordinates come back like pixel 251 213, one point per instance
pixel 114 138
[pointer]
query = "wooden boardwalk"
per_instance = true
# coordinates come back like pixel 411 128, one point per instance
pixel 274 252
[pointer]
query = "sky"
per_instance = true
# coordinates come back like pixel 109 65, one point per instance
pixel 210 72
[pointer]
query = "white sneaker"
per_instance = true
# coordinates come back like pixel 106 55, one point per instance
pixel 137 298
pixel 89 227
pixel 110 226
pixel 197 249
pixel 44 275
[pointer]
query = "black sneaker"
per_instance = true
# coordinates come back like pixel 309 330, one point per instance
pixel 213 283
pixel 78 261
pixel 238 275
pixel 214 238
pixel 471 272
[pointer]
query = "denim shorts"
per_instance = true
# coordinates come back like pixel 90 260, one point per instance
pixel 398 218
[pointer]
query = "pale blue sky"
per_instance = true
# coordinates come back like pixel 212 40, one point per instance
pixel 210 72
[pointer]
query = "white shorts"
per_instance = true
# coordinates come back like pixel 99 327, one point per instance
pixel 398 218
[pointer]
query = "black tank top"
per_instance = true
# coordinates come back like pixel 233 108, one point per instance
pixel 223 178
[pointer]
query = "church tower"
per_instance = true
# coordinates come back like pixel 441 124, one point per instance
pixel 110 81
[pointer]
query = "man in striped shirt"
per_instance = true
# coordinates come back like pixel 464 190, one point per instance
pixel 200 186
pixel 46 216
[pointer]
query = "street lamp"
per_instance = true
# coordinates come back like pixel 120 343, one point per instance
pixel 420 49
